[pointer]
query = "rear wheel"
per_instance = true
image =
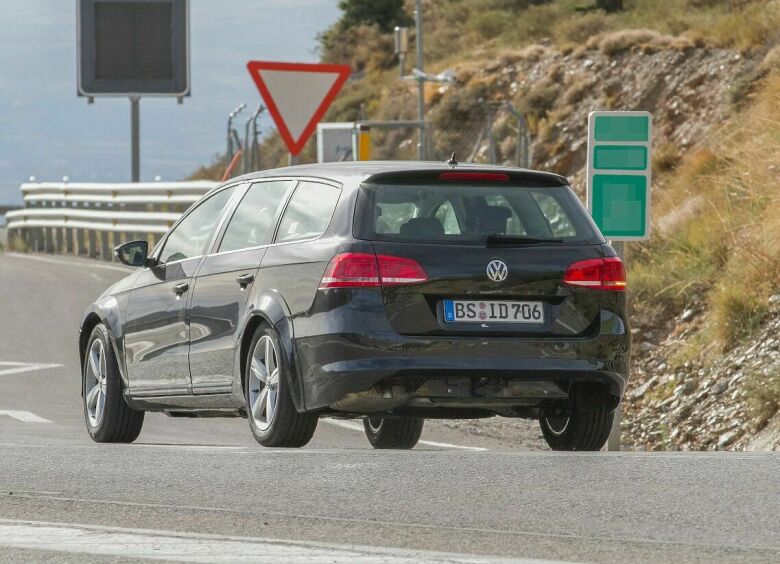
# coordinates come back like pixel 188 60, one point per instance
pixel 272 416
pixel 395 432
pixel 584 428
pixel 109 419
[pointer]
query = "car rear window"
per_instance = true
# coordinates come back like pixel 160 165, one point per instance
pixel 468 214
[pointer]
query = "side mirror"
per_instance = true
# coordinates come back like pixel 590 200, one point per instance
pixel 133 253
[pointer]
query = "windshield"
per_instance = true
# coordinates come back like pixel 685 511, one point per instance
pixel 471 215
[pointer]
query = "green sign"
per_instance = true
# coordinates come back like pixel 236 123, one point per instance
pixel 619 146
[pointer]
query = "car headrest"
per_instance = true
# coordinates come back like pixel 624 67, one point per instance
pixel 423 228
pixel 488 219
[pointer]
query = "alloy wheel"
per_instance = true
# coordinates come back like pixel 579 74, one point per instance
pixel 374 423
pixel 263 383
pixel 557 425
pixel 95 383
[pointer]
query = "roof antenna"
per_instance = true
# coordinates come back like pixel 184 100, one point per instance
pixel 453 161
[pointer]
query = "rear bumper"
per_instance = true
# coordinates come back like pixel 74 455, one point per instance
pixel 332 366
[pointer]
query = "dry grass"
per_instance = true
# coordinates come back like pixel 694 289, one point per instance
pixel 719 226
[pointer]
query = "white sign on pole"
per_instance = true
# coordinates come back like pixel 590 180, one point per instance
pixel 335 142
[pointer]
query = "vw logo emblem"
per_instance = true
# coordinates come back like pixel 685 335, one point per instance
pixel 497 270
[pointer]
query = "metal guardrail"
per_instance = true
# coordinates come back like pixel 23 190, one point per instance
pixel 91 218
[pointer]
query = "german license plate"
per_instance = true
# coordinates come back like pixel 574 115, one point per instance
pixel 483 311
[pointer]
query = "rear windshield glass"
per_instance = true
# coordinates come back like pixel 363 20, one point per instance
pixel 463 214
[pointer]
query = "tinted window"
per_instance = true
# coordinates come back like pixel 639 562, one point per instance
pixel 190 238
pixel 309 211
pixel 559 222
pixel 465 214
pixel 253 220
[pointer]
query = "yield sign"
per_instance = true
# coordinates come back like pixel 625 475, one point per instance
pixel 297 95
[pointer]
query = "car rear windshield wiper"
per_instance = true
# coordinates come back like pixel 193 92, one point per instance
pixel 497 240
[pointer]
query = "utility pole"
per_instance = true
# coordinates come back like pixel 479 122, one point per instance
pixel 418 22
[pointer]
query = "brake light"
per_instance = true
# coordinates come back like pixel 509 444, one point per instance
pixel 598 274
pixel 474 176
pixel 396 271
pixel 364 270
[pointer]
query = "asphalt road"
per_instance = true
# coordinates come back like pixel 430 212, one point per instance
pixel 203 491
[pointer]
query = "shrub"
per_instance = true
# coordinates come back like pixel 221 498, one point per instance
pixel 490 24
pixel 539 99
pixel 385 14
pixel 624 40
pixel 666 157
pixel 578 30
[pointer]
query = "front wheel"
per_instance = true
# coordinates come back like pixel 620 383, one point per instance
pixel 582 429
pixel 395 432
pixel 272 416
pixel 109 419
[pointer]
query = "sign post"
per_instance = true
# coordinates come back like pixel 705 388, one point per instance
pixel 297 96
pixel 133 49
pixel 619 167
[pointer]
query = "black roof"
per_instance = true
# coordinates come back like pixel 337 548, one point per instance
pixel 357 171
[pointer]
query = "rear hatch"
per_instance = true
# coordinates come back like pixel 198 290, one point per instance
pixel 495 249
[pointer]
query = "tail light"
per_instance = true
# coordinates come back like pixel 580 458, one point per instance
pixel 598 274
pixel 364 270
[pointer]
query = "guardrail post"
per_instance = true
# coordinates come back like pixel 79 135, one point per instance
pixel 105 251
pixel 48 240
pixel 36 237
pixel 81 242
pixel 91 244
pixel 68 233
pixel 112 242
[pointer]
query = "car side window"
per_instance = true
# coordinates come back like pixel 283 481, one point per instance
pixel 192 235
pixel 253 221
pixel 309 212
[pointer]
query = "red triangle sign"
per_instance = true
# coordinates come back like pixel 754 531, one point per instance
pixel 297 95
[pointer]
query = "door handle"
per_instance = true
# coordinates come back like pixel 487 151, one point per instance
pixel 245 279
pixel 179 289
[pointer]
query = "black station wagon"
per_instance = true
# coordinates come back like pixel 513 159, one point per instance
pixel 393 292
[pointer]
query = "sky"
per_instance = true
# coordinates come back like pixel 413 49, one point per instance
pixel 46 131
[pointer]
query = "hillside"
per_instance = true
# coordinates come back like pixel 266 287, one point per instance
pixel 705 289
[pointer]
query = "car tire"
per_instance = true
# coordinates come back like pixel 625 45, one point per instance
pixel 273 419
pixel 108 417
pixel 393 432
pixel 582 429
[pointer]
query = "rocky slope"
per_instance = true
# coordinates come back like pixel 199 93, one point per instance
pixel 728 401
pixel 697 405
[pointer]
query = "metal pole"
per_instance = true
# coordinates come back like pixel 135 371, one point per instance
pixel 418 22
pixel 613 442
pixel 135 139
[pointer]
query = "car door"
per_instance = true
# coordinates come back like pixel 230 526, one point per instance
pixel 224 282
pixel 293 266
pixel 156 328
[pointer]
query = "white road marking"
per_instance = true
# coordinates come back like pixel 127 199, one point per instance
pixel 8 368
pixel 193 448
pixel 69 262
pixel 189 547
pixel 26 416
pixel 358 427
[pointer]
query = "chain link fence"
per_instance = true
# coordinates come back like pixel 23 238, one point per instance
pixel 494 133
